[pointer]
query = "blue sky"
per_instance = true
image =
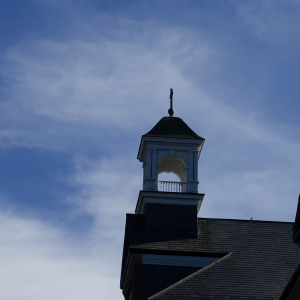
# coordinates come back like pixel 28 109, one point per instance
pixel 81 81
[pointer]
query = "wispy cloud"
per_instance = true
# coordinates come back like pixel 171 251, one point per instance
pixel 108 189
pixel 39 260
pixel 94 82
pixel 45 259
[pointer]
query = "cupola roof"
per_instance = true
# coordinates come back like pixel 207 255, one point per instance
pixel 172 127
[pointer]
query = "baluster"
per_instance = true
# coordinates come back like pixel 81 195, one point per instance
pixel 171 186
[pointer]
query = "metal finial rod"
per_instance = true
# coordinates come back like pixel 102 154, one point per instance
pixel 171 98
pixel 171 110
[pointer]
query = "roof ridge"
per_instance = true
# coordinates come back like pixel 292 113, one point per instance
pixel 190 276
pixel 245 220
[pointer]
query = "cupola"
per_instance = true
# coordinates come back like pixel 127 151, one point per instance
pixel 170 208
pixel 170 146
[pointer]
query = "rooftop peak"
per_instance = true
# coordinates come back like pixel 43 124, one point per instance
pixel 172 127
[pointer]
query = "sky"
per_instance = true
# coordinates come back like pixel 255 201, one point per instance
pixel 82 81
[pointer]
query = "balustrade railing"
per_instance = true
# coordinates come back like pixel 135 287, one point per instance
pixel 171 186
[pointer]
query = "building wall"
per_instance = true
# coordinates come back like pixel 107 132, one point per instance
pixel 132 284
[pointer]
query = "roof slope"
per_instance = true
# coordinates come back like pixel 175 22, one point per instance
pixel 264 257
pixel 172 127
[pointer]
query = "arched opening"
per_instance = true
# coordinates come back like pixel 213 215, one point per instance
pixel 164 176
pixel 171 170
pixel 173 164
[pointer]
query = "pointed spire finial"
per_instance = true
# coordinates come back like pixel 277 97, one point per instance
pixel 171 110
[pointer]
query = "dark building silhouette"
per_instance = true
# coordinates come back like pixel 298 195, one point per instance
pixel 169 253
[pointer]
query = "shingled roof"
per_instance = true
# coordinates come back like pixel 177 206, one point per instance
pixel 172 127
pixel 262 259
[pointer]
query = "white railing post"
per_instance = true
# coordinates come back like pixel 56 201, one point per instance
pixel 171 186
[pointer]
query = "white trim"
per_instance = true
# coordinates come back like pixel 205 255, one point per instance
pixel 165 143
pixel 167 198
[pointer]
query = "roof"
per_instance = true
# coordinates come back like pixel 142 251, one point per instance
pixel 263 258
pixel 291 285
pixel 172 127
